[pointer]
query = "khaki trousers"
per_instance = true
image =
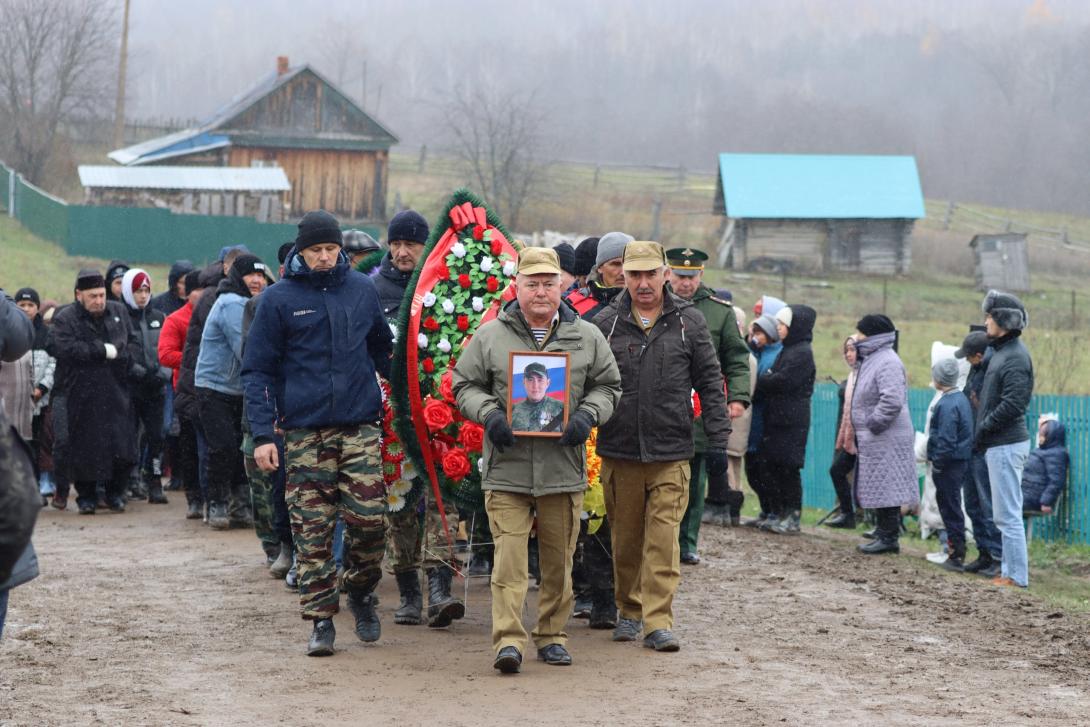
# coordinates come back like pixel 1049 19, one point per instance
pixel 645 503
pixel 511 516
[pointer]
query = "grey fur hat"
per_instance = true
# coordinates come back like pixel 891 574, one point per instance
pixel 1006 310
pixel 945 372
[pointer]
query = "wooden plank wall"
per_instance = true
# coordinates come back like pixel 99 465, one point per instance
pixel 800 241
pixel 341 182
pixel 869 246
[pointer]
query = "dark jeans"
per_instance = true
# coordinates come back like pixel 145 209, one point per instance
pixel 148 408
pixel 843 465
pixel 186 464
pixel 978 506
pixel 755 475
pixel 87 490
pixel 221 421
pixel 784 482
pixel 949 477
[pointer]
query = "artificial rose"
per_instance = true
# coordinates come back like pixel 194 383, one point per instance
pixel 463 323
pixel 443 345
pixel 431 324
pixel 458 250
pixel 464 281
pixel 446 387
pixel 497 247
pixel 486 264
pixel 443 271
pixel 477 303
pixel 696 405
pixel 439 448
pixel 478 233
pixel 437 414
pixel 509 268
pixel 448 306
pixel 428 365
pixel 421 340
pixel 456 464
pixel 429 299
pixel 492 284
pixel 471 436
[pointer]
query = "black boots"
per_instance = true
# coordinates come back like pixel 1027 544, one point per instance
pixel 442 607
pixel 789 523
pixel 603 613
pixel 412 600
pixel 155 492
pixel 321 638
pixel 843 520
pixel 218 518
pixel 194 510
pixel 879 545
pixel 886 534
pixel 983 561
pixel 362 606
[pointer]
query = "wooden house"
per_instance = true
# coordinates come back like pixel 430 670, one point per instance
pixel 1002 262
pixel 818 213
pixel 335 156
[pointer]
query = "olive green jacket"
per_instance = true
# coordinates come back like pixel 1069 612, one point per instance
pixel 730 349
pixel 536 465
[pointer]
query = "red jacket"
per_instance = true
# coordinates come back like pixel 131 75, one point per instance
pixel 172 339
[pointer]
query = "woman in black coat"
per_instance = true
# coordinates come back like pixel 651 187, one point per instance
pixel 786 389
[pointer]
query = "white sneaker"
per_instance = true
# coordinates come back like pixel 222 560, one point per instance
pixel 939 557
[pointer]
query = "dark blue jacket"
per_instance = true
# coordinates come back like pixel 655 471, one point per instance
pixel 313 349
pixel 1045 474
pixel 951 433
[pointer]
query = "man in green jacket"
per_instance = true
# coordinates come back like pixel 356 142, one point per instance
pixel 686 281
pixel 524 476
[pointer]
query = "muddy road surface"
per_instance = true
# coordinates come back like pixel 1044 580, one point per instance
pixel 148 619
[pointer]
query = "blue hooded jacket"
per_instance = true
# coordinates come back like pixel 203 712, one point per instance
pixel 313 349
pixel 1045 474
pixel 765 358
pixel 951 431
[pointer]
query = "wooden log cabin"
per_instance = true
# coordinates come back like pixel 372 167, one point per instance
pixel 334 154
pixel 818 213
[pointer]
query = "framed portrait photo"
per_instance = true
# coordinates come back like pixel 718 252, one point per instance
pixel 537 393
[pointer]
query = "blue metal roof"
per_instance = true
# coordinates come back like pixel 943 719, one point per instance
pixel 813 186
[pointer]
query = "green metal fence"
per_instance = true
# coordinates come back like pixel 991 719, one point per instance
pixel 136 234
pixel 1069 524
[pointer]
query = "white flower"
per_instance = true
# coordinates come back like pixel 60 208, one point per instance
pixel 394 502
pixel 408 470
pixel 393 331
pixel 509 268
pixel 429 299
pixel 401 487
pixel 444 345
pixel 448 306
pixel 478 303
pixel 458 250
pixel 486 264
pixel 421 340
pixel 480 464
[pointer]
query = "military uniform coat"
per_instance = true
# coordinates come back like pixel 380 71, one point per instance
pixel 91 394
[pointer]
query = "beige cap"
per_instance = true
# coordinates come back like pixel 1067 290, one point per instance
pixel 538 261
pixel 783 315
pixel 643 255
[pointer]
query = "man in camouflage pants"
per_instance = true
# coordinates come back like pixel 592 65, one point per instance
pixel 309 368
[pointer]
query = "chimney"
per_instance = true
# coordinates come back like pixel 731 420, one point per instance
pixel 281 65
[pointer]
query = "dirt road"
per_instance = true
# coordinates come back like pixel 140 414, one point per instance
pixel 146 618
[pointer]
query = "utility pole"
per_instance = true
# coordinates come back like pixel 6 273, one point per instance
pixel 119 108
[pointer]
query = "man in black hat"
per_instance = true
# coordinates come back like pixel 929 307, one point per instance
pixel 93 343
pixel 585 254
pixel 114 273
pixel 565 253
pixel 977 489
pixel 174 297
pixel 406 236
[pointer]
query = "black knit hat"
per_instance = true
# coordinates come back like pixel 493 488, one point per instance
pixel 192 281
pixel 28 294
pixel 408 225
pixel 89 278
pixel 874 324
pixel 283 251
pixel 318 227
pixel 246 263
pixel 565 253
pixel 585 254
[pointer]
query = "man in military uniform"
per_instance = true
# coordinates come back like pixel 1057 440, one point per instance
pixel 686 281
pixel 538 412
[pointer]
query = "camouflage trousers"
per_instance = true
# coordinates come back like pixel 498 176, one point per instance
pixel 415 538
pixel 264 489
pixel 331 471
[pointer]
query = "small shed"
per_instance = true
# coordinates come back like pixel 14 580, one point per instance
pixel 231 191
pixel 334 154
pixel 1002 261
pixel 818 213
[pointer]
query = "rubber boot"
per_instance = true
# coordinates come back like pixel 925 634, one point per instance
pixel 412 599
pixel 362 605
pixel 280 567
pixel 442 607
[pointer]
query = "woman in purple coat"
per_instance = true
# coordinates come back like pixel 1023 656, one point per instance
pixel 885 476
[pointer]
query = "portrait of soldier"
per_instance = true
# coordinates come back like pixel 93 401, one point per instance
pixel 538 412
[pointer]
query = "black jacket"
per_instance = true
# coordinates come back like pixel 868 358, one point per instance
pixel 1005 394
pixel 390 284
pixel 185 395
pixel 786 389
pixel 659 371
pixel 168 301
pixel 146 374
pixel 1045 475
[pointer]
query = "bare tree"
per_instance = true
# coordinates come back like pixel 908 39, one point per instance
pixel 499 139
pixel 55 63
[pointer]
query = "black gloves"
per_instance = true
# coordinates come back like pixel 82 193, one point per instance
pixel 715 462
pixel 578 429
pixel 499 431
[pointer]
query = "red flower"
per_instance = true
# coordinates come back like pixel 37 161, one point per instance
pixel 492 284
pixel 696 405
pixel 443 271
pixel 463 323
pixel 437 414
pixel 464 281
pixel 471 436
pixel 478 232
pixel 446 387
pixel 431 324
pixel 428 365
pixel 456 464
pixel 497 247
pixel 438 449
